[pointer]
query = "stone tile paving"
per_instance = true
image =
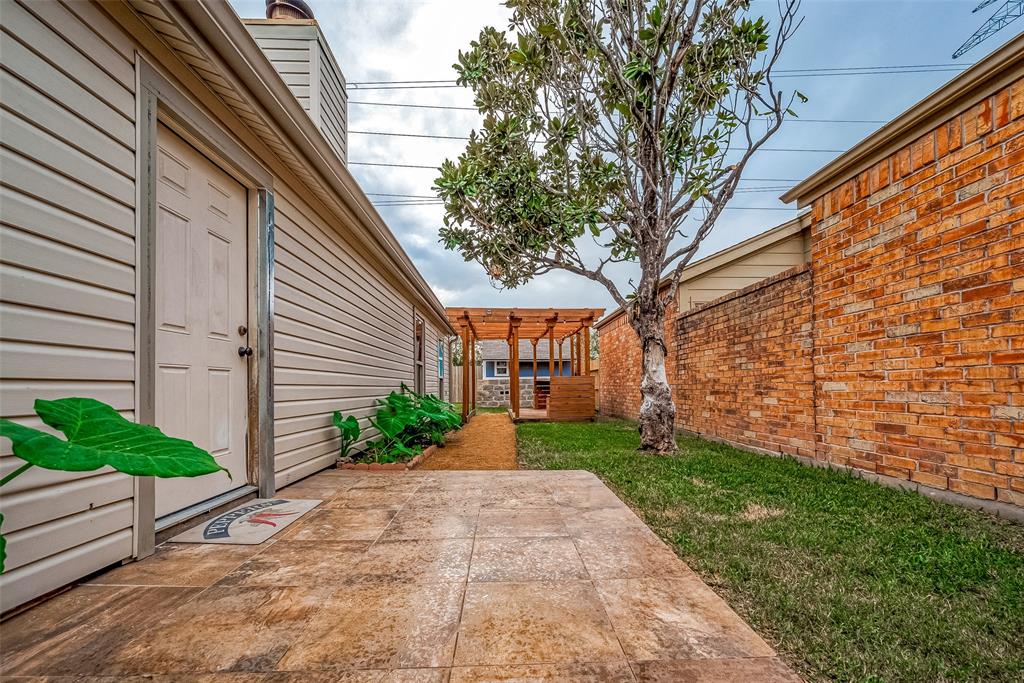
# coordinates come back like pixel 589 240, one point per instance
pixel 460 577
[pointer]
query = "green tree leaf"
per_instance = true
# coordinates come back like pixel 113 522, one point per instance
pixel 98 436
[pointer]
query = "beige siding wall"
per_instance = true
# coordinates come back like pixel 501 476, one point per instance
pixel 288 49
pixel 300 54
pixel 744 271
pixel 67 276
pixel 343 337
pixel 344 332
pixel 432 337
pixel 332 101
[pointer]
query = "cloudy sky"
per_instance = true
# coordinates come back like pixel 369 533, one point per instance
pixel 407 40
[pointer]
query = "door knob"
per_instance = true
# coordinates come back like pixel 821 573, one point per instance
pixel 244 351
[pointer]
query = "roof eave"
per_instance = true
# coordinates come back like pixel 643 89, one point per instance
pixel 221 28
pixel 996 71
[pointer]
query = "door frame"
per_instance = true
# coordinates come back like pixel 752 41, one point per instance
pixel 160 102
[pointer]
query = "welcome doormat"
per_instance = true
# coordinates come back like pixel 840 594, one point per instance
pixel 248 524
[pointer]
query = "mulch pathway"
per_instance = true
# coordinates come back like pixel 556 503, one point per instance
pixel 488 442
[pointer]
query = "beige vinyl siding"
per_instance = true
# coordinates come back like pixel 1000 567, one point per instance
pixel 288 49
pixel 343 319
pixel 744 271
pixel 430 336
pixel 343 337
pixel 333 100
pixel 67 276
pixel 300 54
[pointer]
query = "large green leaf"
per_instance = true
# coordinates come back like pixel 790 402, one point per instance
pixel 349 426
pixel 97 435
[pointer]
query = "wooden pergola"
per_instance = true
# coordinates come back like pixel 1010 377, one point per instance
pixel 556 325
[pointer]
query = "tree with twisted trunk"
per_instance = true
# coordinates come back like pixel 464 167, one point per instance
pixel 615 121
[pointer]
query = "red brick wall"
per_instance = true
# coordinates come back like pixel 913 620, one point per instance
pixel 918 332
pixel 919 308
pixel 744 366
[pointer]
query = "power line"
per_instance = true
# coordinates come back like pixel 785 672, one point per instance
pixel 473 109
pixel 413 196
pixel 781 188
pixel 409 135
pixel 728 208
pixel 444 106
pixel 463 137
pixel 882 68
pixel 434 85
pixel 412 106
pixel 787 150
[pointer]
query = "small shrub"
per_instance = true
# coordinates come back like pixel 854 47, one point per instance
pixel 350 431
pixel 407 422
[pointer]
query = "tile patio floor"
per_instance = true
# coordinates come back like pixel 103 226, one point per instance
pixel 426 576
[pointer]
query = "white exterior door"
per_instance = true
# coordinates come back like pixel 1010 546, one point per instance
pixel 201 317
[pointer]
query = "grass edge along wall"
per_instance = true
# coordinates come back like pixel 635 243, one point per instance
pixel 917 288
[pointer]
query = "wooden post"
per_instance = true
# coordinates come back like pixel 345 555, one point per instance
pixel 579 353
pixel 534 342
pixel 586 350
pixel 551 354
pixel 465 373
pixel 572 355
pixel 561 343
pixel 514 324
pixel 472 367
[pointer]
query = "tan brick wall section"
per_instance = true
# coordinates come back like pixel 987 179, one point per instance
pixel 918 323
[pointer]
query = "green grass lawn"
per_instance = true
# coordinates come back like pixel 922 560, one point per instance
pixel 849 580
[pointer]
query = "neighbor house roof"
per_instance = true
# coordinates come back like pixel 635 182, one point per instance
pixel 729 254
pixel 995 72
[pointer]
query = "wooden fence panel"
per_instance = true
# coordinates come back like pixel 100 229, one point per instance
pixel 572 399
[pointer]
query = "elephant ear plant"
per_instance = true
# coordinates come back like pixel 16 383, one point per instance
pixel 406 422
pixel 350 431
pixel 97 436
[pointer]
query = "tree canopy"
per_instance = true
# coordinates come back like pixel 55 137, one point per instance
pixel 615 120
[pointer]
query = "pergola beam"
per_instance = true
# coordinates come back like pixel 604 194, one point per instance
pixel 513 324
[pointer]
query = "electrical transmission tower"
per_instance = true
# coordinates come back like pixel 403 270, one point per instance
pixel 1010 11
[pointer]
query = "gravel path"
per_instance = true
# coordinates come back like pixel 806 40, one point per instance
pixel 488 442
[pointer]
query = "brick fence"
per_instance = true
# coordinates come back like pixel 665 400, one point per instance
pixel 919 308
pixel 744 369
pixel 901 351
